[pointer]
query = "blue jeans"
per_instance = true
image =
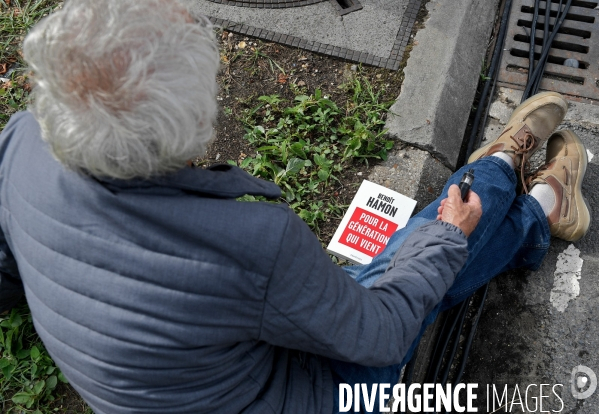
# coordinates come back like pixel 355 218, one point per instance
pixel 512 233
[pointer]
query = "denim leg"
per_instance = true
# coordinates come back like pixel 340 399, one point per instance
pixel 521 241
pixel 495 184
pixel 513 232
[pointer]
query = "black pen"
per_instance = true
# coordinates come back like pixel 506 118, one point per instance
pixel 466 183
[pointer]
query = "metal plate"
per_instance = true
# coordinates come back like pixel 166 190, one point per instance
pixel 577 39
pixel 392 61
pixel 268 4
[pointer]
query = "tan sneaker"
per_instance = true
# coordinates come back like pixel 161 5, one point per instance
pixel 531 123
pixel 564 171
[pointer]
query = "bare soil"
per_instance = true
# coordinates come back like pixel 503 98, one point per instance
pixel 251 68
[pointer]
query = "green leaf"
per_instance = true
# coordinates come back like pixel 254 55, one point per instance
pixel 8 370
pixel 320 160
pixel 38 387
pixel 35 353
pixel 51 382
pixel 22 398
pixel 15 319
pixel 323 175
pixel 298 149
pixel 23 353
pixel 62 378
pixel 294 165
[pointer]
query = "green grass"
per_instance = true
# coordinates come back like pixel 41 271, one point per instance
pixel 16 18
pixel 29 376
pixel 29 379
pixel 304 145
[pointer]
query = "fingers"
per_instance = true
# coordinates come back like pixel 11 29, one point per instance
pixel 454 193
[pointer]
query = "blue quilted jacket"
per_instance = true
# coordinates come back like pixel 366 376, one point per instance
pixel 169 296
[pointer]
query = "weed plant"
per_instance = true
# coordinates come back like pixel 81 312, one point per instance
pixel 16 18
pixel 304 145
pixel 29 376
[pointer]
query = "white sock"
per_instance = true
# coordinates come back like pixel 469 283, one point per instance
pixel 504 157
pixel 544 194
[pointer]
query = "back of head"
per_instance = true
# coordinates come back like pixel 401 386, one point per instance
pixel 124 89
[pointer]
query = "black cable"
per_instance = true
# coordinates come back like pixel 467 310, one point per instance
pixel 546 22
pixel 437 358
pixel 556 28
pixel 530 89
pixel 470 339
pixel 494 64
pixel 438 354
pixel 546 36
pixel 540 68
pixel 456 341
pixel 533 33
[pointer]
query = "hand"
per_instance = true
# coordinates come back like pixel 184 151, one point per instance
pixel 463 214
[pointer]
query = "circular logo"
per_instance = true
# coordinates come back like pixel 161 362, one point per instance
pixel 583 382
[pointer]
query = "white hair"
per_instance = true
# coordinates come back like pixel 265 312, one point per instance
pixel 124 88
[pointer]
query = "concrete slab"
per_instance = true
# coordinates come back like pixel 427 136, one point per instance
pixel 538 327
pixel 414 173
pixel 376 34
pixel 441 77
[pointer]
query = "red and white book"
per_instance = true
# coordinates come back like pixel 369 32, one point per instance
pixel 373 216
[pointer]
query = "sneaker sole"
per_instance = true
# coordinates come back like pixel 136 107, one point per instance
pixel 479 152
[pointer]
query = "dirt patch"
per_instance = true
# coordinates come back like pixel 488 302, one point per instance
pixel 251 68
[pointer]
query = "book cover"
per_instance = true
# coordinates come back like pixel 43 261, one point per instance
pixel 373 216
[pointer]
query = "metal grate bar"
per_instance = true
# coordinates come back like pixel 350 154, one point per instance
pixel 578 39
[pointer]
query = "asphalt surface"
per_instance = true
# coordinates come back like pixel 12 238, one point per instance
pixel 538 327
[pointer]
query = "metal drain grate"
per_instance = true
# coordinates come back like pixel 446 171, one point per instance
pixel 577 39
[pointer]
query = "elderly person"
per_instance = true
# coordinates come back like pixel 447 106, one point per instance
pixel 155 291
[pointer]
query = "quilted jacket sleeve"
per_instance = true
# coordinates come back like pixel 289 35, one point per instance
pixel 313 305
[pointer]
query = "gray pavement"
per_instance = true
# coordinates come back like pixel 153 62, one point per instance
pixel 371 29
pixel 442 74
pixel 376 33
pixel 539 326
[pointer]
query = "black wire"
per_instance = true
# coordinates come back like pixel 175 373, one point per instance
pixel 470 339
pixel 456 341
pixel 494 64
pixel 533 32
pixel 437 358
pixel 546 22
pixel 540 68
pixel 556 28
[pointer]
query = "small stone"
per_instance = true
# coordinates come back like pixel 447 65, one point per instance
pixel 354 67
pixel 301 83
pixel 360 173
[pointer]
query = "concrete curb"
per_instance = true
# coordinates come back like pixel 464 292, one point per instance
pixel 442 75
